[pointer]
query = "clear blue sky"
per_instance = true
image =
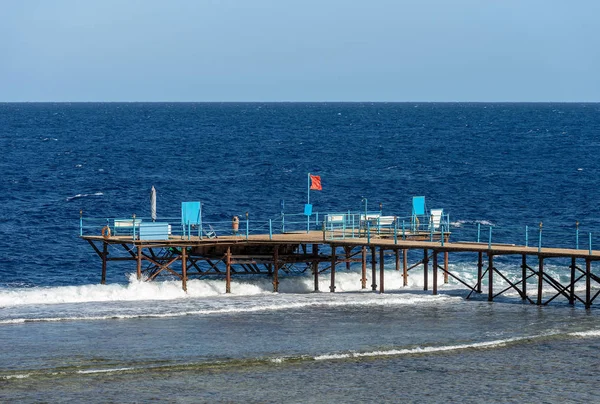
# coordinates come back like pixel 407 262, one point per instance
pixel 299 50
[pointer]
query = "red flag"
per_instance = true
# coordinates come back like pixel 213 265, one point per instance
pixel 315 183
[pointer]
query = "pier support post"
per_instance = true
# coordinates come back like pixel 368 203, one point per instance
pixel 445 266
pixel 381 269
pixel 572 289
pixel 363 279
pixel 425 270
pixel 333 262
pixel 540 280
pixel 104 258
pixel 276 269
pixel 373 269
pixel 184 268
pixel 315 265
pixel 490 277
pixel 404 267
pixel 228 271
pixel 479 271
pixel 347 250
pixel 397 258
pixel 139 262
pixel 524 276
pixel 435 272
pixel 588 278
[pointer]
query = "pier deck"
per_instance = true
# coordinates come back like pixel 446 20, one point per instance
pixel 314 251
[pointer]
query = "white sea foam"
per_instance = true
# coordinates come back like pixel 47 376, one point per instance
pixel 169 290
pixel 70 198
pixel 249 307
pixel 204 297
pixel 420 350
pixel 461 223
pixel 19 376
pixel 586 334
pixel 103 370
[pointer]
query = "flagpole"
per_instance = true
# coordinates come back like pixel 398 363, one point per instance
pixel 308 203
pixel 308 190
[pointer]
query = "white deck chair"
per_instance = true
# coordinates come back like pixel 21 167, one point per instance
pixel 210 233
pixel 436 218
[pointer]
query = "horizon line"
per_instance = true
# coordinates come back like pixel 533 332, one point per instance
pixel 299 102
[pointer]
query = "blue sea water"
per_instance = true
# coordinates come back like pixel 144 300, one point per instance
pixel 67 338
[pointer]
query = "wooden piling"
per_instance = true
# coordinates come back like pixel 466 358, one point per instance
pixel 445 266
pixel 425 269
pixel 184 268
pixel 588 286
pixel 540 280
pixel 347 250
pixel 490 277
pixel 524 276
pixel 363 278
pixel 333 262
pixel 139 262
pixel 104 258
pixel 276 269
pixel 572 288
pixel 381 269
pixel 479 271
pixel 435 272
pixel 315 265
pixel 228 270
pixel 404 267
pixel 373 269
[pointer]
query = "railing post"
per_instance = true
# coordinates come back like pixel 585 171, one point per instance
pixel 270 230
pixel 80 222
pixel 133 223
pixel 247 226
pixel 478 232
pixel 577 235
pixel 200 224
pixel 590 243
pixel 442 239
pixel 490 239
pixel 403 230
pixel 526 236
pixel 368 232
pixel 396 231
pixel 540 238
pixel 282 222
pixel 431 228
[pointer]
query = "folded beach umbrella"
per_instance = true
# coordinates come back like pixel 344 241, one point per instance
pixel 153 203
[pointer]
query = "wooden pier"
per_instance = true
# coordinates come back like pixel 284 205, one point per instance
pixel 313 252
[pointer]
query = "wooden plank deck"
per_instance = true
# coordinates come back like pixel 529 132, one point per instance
pixel 316 237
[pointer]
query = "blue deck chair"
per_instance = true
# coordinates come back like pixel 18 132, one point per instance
pixel 418 209
pixel 210 233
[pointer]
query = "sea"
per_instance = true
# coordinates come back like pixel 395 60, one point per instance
pixel 504 172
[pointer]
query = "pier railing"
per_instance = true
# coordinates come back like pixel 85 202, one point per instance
pixel 334 225
pixel 555 235
pixel 342 225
